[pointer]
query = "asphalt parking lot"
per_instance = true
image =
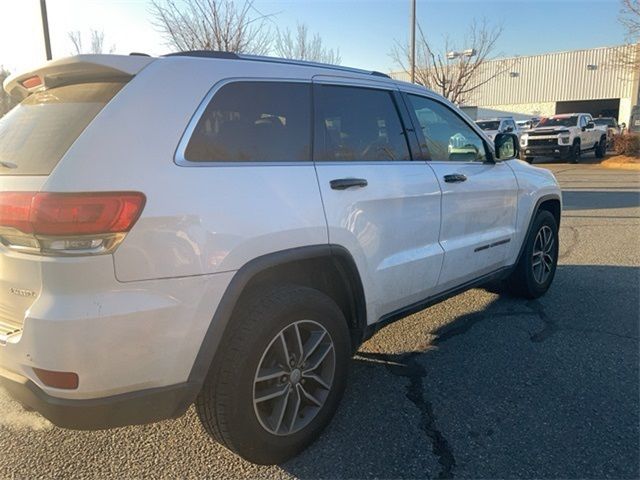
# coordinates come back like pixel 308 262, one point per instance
pixel 480 386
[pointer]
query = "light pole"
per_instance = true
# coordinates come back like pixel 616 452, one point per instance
pixel 413 41
pixel 45 28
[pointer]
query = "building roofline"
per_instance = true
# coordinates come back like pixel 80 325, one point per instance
pixel 562 52
pixel 544 54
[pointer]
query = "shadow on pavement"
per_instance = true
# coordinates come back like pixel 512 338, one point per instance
pixel 545 388
pixel 591 200
pixel 587 158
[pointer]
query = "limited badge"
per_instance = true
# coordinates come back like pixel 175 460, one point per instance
pixel 21 292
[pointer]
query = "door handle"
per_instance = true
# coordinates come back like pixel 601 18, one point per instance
pixel 455 178
pixel 344 183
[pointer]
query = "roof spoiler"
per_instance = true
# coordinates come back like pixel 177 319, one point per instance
pixel 77 69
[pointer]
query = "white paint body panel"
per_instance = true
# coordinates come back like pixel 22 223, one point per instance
pixel 136 319
pixel 390 228
pixel 478 212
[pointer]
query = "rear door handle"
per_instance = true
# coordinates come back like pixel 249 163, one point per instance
pixel 455 178
pixel 344 183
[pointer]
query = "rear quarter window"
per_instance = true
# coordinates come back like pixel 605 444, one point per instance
pixel 36 134
pixel 254 122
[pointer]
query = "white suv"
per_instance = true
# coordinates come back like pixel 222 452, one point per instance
pixel 226 230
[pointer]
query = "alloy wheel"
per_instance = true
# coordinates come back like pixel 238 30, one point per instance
pixel 294 377
pixel 542 257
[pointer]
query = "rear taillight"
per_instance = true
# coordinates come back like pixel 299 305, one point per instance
pixel 67 223
pixel 32 82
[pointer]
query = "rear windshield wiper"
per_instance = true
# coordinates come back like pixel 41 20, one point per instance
pixel 7 164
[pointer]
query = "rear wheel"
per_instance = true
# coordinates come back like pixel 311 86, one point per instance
pixel 601 148
pixel 280 376
pixel 537 265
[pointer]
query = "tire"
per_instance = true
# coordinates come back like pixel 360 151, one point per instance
pixel 231 405
pixel 574 153
pixel 526 281
pixel 601 148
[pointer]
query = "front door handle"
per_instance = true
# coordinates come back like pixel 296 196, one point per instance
pixel 344 183
pixel 455 178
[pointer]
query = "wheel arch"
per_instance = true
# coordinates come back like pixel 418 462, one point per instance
pixel 328 268
pixel 551 203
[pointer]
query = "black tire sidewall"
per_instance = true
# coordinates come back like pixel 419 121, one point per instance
pixel 575 153
pixel 601 148
pixel 533 288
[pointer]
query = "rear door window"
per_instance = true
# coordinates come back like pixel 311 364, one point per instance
pixel 254 122
pixel 36 134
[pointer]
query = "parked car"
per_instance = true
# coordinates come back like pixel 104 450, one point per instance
pixel 227 229
pixel 612 127
pixel 565 136
pixel 494 126
pixel 634 121
pixel 527 124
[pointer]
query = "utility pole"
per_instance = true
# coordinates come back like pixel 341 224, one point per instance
pixel 413 41
pixel 45 28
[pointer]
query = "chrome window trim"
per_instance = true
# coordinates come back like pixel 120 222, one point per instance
pixel 179 156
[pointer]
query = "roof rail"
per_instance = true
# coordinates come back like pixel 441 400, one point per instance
pixel 258 58
pixel 204 54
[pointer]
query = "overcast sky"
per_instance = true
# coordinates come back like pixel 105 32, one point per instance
pixel 364 30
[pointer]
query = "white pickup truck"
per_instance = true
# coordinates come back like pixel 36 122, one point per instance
pixel 564 136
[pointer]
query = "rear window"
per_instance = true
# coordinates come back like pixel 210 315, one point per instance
pixel 608 122
pixel 254 122
pixel 36 134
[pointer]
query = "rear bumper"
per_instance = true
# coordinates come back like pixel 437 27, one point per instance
pixel 133 408
pixel 132 345
pixel 545 150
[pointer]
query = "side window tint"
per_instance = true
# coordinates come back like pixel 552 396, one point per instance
pixel 446 135
pixel 357 124
pixel 583 121
pixel 254 122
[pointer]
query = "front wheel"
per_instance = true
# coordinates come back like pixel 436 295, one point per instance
pixel 574 153
pixel 280 374
pixel 537 265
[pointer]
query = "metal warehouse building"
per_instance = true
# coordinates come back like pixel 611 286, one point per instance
pixel 563 82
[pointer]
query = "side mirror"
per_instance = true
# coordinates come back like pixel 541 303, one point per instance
pixel 623 125
pixel 591 125
pixel 506 146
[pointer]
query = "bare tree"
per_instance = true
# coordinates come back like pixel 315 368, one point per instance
pixel 212 25
pixel 96 44
pixel 6 101
pixel 630 19
pixel 305 46
pixel 452 73
pixel 629 58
